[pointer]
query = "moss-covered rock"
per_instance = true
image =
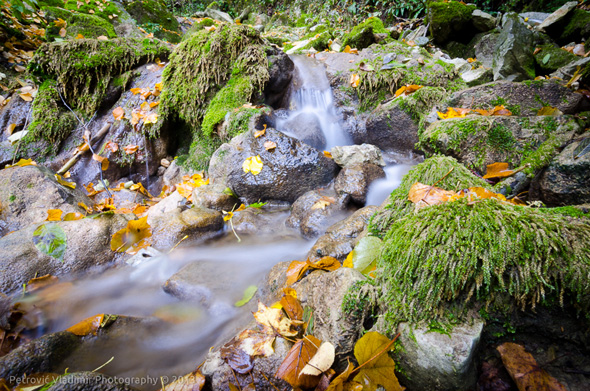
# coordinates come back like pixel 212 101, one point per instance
pixel 362 35
pixel 84 67
pixel 107 10
pixel 196 27
pixel 443 171
pixel 550 58
pixel 449 20
pixel 209 75
pixel 89 26
pixel 154 17
pixel 577 27
pixel 319 42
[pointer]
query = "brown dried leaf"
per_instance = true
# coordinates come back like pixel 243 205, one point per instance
pixel 130 149
pixel 87 326
pixel 292 307
pixel 295 270
pixel 297 358
pixel 257 343
pixel 118 113
pixel 112 146
pixel 236 358
pixel 41 282
pixel 549 110
pixel 269 145
pixel 498 170
pixel 429 195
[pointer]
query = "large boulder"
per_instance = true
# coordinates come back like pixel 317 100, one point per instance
pixel 26 193
pixel 513 59
pixel 485 48
pixel 450 20
pixel 567 179
pixel 307 128
pixel 87 248
pixel 355 181
pixel 214 196
pixel 289 170
pixel 280 74
pixel 556 21
pixel 551 57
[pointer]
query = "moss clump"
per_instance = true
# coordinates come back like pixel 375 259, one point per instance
pixel 196 27
pixel 51 122
pixel 429 172
pixel 209 75
pixel 90 26
pixel 577 27
pixel 448 258
pixel 421 102
pixel 83 68
pixel 155 18
pixel 361 35
pixel 102 10
pixel 556 58
pixel 447 20
pixel 319 42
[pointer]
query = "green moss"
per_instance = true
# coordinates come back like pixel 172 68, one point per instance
pixel 50 120
pixel 361 36
pixel 420 103
pixel 90 26
pixel 84 67
pixel 449 258
pixel 556 58
pixel 429 172
pixel 196 27
pixel 577 27
pixel 102 10
pixel 447 18
pixel 319 42
pixel 155 18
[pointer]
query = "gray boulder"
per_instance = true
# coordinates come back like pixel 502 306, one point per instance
pixel 355 180
pixel 174 173
pixel 289 170
pixel 482 20
pixel 554 21
pixel 390 127
pixel 485 48
pixel 307 128
pixel 514 59
pixel 218 15
pixel 280 74
pixel 477 76
pixel 439 362
pixel 357 154
pixel 568 71
pixel 255 221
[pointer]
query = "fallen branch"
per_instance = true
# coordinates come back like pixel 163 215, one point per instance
pixel 84 148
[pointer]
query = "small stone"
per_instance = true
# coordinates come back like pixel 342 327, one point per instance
pixel 355 154
pixel 165 163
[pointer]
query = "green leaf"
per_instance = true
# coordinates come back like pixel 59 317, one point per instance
pixel 308 318
pixel 257 205
pixel 229 192
pixel 248 295
pixel 546 59
pixel 50 239
pixel 365 253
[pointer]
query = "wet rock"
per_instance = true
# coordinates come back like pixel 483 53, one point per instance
pixel 478 76
pixel 5 305
pixel 255 221
pixel 331 322
pixel 551 57
pixel 478 141
pixel 513 59
pixel 41 355
pixel 340 238
pixel 568 71
pixel 482 20
pixel 280 74
pixel 14 112
pixel 355 180
pixel 26 193
pixel 289 170
pixel 174 174
pixel 556 20
pixel 87 248
pixel 390 127
pixel 485 48
pixel 89 381
pixel 357 154
pixel 214 197
pixel 521 98
pixel 122 198
pixel 307 128
pixel 567 180
pixel 276 279
pixel 316 210
pixel 218 15
pixel 197 223
pixel 534 18
pixel 434 361
pixel 171 204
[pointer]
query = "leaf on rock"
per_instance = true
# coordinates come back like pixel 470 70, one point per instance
pixel 87 326
pixel 260 133
pixel 274 320
pixel 253 164
pixel 501 111
pixel 256 343
pixel 452 113
pixel 73 216
pixel 325 263
pixel 248 295
pixel 22 163
pixel 151 118
pixel 194 381
pixel 321 361
pixel 525 371
pixel 118 113
pixel 498 170
pixel 236 358
pixel 61 181
pixel 297 358
pixel 50 239
pixel 354 80
pixel 132 235
pixel 54 215
pixel 323 202
pixel 292 307
pixel 295 270
pixel 348 261
pixel 429 195
pixel 104 162
pixel 365 253
pixel 111 146
pixel 549 110
pixel 348 49
pixel 407 90
pixel 328 154
pixel 130 149
pixel 338 384
pixel 268 145
pixel 376 367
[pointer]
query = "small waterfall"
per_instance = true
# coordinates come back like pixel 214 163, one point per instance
pixel 312 117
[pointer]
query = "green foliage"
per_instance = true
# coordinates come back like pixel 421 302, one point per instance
pixel 22 7
pixel 449 257
pixel 50 239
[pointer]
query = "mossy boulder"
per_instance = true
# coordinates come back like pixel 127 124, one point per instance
pixel 319 42
pixel 551 58
pixel 154 17
pixel 513 56
pixel 477 141
pixel 210 74
pixel 83 68
pixel 89 26
pixel 107 10
pixel 577 27
pixel 198 26
pixel 449 20
pixel 363 34
pixel 444 260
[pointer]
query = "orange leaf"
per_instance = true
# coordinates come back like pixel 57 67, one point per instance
pixel 268 145
pixel 73 216
pixel 429 195
pixel 295 270
pixel 292 307
pixel 62 32
pixel 79 36
pixel 133 234
pixel 325 263
pixel 111 146
pixel 118 113
pixel 347 49
pixel 87 326
pixel 412 88
pixel 525 371
pixel 501 110
pixel 54 215
pixel 297 358
pixel 400 91
pixel 328 154
pixel 104 162
pixel 452 113
pixel 260 133
pixel 498 170
pixel 354 80
pixel 131 149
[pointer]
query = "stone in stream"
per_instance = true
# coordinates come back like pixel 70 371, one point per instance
pixel 26 193
pixel 215 197
pixel 349 155
pixel 355 180
pixel 289 170
pixel 87 250
pixel 307 128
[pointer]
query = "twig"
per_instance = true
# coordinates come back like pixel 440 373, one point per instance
pixel 99 135
pixel 235 377
pixel 147 168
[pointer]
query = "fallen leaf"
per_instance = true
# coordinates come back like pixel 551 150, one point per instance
pixel 470 60
pixel 297 358
pixel 323 202
pixel 365 254
pixel 104 162
pixel 376 367
pixel 130 149
pixel 429 195
pixel 452 113
pixel 151 118
pixel 102 38
pixel 354 80
pixel 26 96
pixel 87 326
pixel 79 36
pixel 292 307
pixel 501 110
pixel 253 164
pixel 270 145
pixel 111 146
pixel 71 185
pixel 133 234
pixel 118 113
pixel 54 215
pixel 60 22
pixel 525 371
pixel 248 295
pixel 41 282
pixel 498 170
pixel 22 163
pixel 295 269
pixel 366 67
pixel 549 110
pixel 348 261
pixel 260 133
pixel 62 32
pixel 274 320
pixel 328 154
pixel 73 216
pixel 194 381
pixel 348 49
pixel 257 343
pixel 236 358
pixel 338 383
pixel 321 361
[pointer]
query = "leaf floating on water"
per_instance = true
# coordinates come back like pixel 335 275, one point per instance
pixel 498 170
pixel 50 239
pixel 297 358
pixel 87 326
pixel 525 371
pixel 248 295
pixel 321 361
pixel 253 164
pixel 376 367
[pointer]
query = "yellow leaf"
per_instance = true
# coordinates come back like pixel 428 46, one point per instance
pixel 323 202
pixel 154 104
pixel 260 133
pixel 118 113
pixel 79 36
pixel 453 112
pixel 26 96
pixel 348 261
pixel 62 32
pixel 429 195
pixel 470 60
pixel 10 128
pixel 275 320
pixel 54 215
pixel 328 154
pixel 501 110
pixel 71 185
pixel 87 326
pixel 133 234
pixel 73 216
pixel 151 118
pixel 60 22
pixel 130 149
pixel 104 162
pixel 226 215
pixel 400 91
pixel 145 106
pixel 376 367
pixel 354 80
pixel 549 110
pixel 253 164
pixel 498 170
